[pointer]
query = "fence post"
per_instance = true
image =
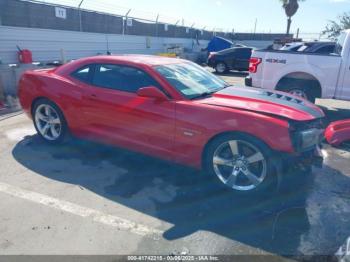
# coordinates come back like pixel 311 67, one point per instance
pixel 126 18
pixel 175 27
pixel 191 28
pixel 123 25
pixel 80 22
pixel 157 25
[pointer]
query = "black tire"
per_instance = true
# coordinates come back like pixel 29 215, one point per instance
pixel 311 89
pixel 64 132
pixel 310 95
pixel 270 183
pixel 221 68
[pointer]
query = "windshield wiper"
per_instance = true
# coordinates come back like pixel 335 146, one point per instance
pixel 209 94
pixel 203 95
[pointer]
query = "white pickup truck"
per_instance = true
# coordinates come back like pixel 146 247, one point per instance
pixel 307 75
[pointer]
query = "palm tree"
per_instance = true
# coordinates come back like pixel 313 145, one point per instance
pixel 291 8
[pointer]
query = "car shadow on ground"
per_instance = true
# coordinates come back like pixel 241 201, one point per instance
pixel 179 195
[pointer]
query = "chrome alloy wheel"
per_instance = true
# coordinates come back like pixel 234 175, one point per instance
pixel 48 122
pixel 298 92
pixel 240 165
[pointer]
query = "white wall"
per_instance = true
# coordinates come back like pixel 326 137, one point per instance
pixel 46 44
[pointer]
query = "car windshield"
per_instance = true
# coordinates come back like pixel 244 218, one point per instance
pixel 191 80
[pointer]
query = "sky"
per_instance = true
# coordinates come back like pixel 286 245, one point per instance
pixel 227 15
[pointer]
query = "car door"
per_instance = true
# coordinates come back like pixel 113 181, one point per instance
pixel 230 58
pixel 242 58
pixel 344 91
pixel 117 115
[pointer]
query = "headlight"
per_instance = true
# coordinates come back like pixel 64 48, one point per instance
pixel 308 138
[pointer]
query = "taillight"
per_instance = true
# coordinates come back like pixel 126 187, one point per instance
pixel 254 62
pixel 211 55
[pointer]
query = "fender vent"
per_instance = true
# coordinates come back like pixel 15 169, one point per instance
pixel 284 97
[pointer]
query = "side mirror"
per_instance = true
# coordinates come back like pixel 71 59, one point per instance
pixel 152 92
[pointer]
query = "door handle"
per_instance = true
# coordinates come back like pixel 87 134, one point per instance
pixel 93 97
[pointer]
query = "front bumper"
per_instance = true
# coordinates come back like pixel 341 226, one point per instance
pixel 338 132
pixel 295 171
pixel 248 81
pixel 313 157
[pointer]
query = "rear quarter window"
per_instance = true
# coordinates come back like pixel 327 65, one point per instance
pixel 83 74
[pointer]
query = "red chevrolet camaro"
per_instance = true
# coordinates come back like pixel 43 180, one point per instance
pixel 175 110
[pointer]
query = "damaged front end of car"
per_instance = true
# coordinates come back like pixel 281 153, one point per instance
pixel 307 138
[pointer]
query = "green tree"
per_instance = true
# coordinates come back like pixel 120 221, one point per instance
pixel 290 7
pixel 334 28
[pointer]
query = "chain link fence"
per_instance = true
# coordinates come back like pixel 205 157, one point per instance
pixel 99 17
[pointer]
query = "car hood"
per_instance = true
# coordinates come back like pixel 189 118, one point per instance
pixel 265 102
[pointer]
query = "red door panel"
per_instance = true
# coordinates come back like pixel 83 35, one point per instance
pixel 127 120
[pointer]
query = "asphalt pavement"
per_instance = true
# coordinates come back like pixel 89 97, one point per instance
pixel 83 198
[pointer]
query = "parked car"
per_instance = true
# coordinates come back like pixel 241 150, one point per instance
pixel 292 46
pixel 236 58
pixel 175 110
pixel 317 47
pixel 311 47
pixel 308 75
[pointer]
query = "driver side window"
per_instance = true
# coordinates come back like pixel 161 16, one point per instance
pixel 122 78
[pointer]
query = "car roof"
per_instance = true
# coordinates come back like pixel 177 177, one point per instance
pixel 150 60
pixel 131 60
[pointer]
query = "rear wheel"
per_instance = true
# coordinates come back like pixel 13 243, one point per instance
pixel 240 163
pixel 303 93
pixel 307 89
pixel 49 121
pixel 221 68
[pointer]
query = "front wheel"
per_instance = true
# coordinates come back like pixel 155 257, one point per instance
pixel 240 163
pixel 49 121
